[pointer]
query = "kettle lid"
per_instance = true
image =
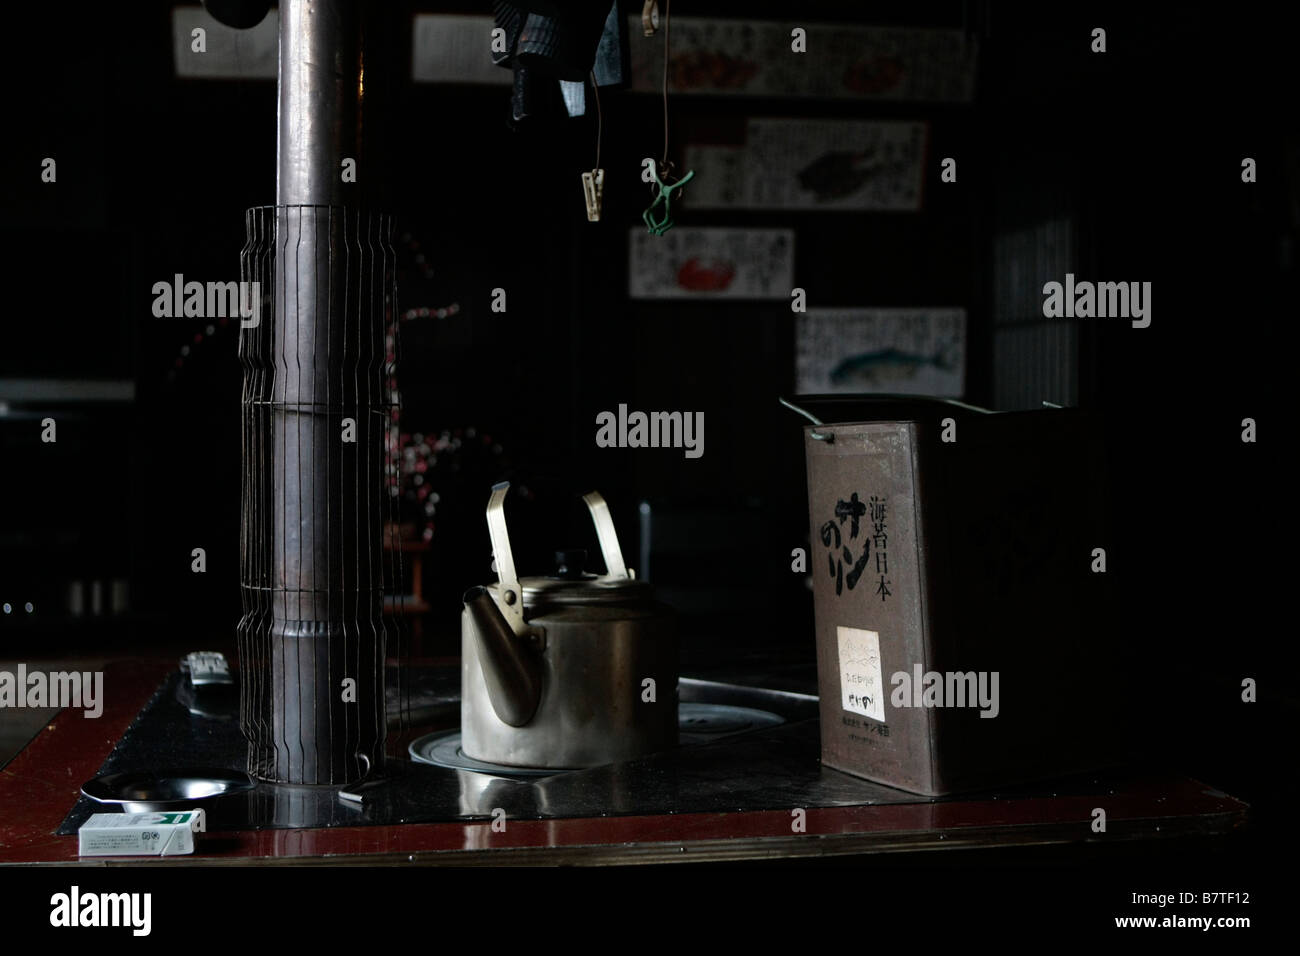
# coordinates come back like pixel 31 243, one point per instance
pixel 596 590
pixel 572 585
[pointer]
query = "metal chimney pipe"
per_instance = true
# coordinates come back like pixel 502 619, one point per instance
pixel 321 90
pixel 313 641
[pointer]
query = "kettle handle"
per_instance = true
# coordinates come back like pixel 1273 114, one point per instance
pixel 512 597
pixel 608 537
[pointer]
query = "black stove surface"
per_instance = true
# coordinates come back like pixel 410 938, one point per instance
pixel 772 768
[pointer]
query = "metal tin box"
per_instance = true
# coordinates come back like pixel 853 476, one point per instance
pixel 963 636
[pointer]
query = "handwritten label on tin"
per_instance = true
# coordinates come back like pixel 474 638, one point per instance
pixel 862 687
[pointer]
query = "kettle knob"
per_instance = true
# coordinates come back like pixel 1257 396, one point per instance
pixel 569 564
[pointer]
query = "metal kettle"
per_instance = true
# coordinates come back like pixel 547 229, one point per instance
pixel 569 671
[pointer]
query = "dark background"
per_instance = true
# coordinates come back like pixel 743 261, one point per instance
pixel 1139 148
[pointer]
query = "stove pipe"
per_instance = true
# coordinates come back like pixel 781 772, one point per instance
pixel 316 403
pixel 321 89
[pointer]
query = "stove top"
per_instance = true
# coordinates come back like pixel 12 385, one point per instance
pixel 744 749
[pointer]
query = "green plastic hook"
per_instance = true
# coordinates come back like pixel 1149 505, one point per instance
pixel 663 224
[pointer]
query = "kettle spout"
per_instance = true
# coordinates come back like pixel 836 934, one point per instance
pixel 512 668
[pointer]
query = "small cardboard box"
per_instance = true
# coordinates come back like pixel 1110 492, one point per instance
pixel 141 834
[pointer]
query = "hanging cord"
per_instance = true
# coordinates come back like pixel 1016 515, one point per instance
pixel 658 217
pixel 665 167
pixel 600 118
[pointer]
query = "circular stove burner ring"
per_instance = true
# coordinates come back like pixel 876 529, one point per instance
pixel 700 723
pixel 696 724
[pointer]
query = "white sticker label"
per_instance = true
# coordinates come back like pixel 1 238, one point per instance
pixel 862 689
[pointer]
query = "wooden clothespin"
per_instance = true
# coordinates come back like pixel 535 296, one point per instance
pixel 650 17
pixel 593 191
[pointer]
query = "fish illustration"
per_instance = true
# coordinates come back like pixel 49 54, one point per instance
pixel 710 276
pixel 839 174
pixel 875 74
pixel 835 175
pixel 892 365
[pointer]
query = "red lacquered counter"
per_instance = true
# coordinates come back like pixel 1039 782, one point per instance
pixel 40 785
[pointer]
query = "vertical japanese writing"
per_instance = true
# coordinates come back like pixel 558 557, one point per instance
pixel 880 539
